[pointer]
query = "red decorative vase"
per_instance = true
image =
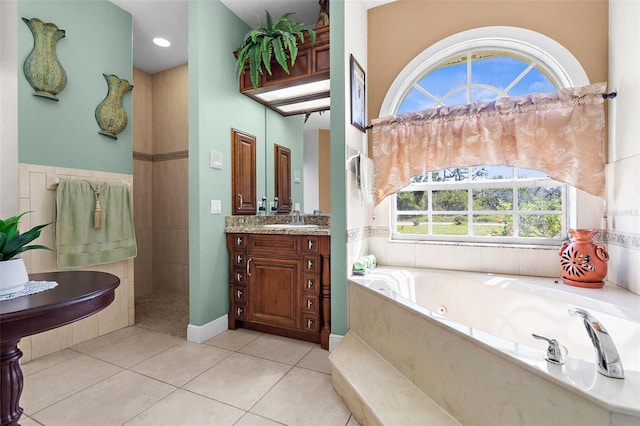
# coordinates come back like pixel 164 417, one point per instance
pixel 583 262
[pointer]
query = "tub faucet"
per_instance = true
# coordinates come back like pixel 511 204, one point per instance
pixel 607 359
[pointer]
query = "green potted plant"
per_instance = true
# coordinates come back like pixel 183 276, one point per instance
pixel 270 39
pixel 13 272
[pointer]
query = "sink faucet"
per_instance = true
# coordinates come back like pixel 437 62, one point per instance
pixel 607 359
pixel 297 217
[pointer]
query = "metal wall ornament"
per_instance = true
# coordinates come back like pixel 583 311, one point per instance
pixel 110 115
pixel 42 67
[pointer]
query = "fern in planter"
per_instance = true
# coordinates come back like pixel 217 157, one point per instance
pixel 277 39
pixel 12 242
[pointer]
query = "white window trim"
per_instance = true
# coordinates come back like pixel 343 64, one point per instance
pixel 555 57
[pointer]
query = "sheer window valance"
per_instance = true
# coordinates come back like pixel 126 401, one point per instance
pixel 560 133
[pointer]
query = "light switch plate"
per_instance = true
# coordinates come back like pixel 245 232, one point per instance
pixel 296 176
pixel 216 160
pixel 216 207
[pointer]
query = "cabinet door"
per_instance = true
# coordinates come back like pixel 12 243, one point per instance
pixel 243 182
pixel 282 160
pixel 274 291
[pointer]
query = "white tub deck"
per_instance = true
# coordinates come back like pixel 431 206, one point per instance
pixel 479 378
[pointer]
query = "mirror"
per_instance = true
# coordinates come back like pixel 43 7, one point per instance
pixel 309 160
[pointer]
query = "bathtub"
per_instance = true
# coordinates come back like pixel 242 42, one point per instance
pixel 464 339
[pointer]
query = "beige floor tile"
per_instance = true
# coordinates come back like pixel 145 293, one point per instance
pixel 303 397
pixel 234 339
pixel 53 384
pixel 186 408
pixel 179 364
pixel 317 359
pixel 352 422
pixel 110 402
pixel 48 361
pixel 276 348
pixel 239 380
pixel 28 421
pixel 131 350
pixel 250 419
pixel 107 339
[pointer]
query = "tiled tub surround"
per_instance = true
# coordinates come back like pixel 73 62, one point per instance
pixel 37 198
pixel 458 361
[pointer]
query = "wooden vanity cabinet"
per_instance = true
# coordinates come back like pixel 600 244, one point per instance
pixel 280 284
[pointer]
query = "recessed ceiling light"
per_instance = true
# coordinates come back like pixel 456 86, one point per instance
pixel 162 42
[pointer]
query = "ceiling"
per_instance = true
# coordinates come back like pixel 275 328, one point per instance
pixel 168 19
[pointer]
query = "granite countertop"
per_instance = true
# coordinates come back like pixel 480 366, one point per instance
pixel 254 224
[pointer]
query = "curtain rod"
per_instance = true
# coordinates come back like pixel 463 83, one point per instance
pixel 609 95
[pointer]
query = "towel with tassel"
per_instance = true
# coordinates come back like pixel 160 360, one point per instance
pixel 94 224
pixel 365 178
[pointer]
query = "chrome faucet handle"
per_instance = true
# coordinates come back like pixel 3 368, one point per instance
pixel 554 354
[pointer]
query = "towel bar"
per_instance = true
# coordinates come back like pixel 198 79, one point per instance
pixel 52 180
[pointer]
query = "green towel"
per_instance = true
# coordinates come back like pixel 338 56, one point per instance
pixel 78 242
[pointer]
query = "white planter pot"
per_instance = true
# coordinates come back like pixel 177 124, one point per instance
pixel 13 275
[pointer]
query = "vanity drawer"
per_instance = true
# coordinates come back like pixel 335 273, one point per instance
pixel 311 283
pixel 239 311
pixel 239 259
pixel 274 245
pixel 310 244
pixel 310 323
pixel 239 241
pixel 310 303
pixel 239 276
pixel 311 264
pixel 239 294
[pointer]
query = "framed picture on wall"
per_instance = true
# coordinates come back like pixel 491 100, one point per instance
pixel 358 95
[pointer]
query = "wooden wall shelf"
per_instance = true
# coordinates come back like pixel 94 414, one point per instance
pixel 312 65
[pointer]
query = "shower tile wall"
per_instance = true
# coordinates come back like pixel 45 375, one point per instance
pixel 160 169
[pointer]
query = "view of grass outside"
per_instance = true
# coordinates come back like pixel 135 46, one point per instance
pixel 482 202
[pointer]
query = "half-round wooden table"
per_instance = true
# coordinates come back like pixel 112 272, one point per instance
pixel 78 295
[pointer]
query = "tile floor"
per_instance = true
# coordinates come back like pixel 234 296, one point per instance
pixel 137 376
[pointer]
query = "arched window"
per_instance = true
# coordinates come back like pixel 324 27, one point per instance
pixel 490 203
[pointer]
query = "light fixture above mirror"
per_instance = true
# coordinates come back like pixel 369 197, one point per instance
pixel 307 86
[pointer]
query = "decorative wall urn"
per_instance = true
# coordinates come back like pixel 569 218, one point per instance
pixel 583 262
pixel 42 68
pixel 110 115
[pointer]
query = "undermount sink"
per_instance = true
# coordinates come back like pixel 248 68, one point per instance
pixel 289 226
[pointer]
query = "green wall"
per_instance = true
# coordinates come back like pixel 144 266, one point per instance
pixel 339 324
pixel 215 107
pixel 65 134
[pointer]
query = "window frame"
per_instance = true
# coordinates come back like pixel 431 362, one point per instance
pixel 563 68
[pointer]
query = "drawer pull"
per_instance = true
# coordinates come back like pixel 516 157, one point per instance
pixel 238 277
pixel 239 241
pixel 239 294
pixel 240 196
pixel 239 259
pixel 309 303
pixel 309 284
pixel 248 263
pixel 239 311
pixel 310 244
pixel 309 323
pixel 309 264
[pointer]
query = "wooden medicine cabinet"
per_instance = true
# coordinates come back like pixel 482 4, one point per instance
pixel 282 177
pixel 243 173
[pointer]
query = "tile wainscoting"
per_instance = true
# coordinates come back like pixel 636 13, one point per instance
pixel 35 197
